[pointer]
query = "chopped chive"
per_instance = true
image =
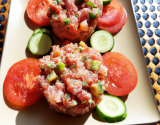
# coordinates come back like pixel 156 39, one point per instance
pixel 55 2
pixel 72 66
pixel 50 64
pixel 67 96
pixel 84 83
pixel 83 102
pixel 61 77
pixel 55 15
pixel 89 3
pixel 100 85
pixel 76 15
pixel 41 67
pixel 81 49
pixel 52 12
pixel 74 102
pixel 58 1
pixel 66 21
pixel 91 101
pixel 73 79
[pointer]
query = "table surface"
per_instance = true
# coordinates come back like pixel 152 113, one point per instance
pixel 140 7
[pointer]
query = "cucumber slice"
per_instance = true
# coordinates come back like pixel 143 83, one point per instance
pixel 46 31
pixel 106 2
pixel 102 41
pixel 38 30
pixel 111 109
pixel 42 30
pixel 39 44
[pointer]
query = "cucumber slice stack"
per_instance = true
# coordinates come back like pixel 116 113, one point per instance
pixel 40 42
pixel 111 109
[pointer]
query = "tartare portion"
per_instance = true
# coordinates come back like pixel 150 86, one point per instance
pixel 73 78
pixel 74 20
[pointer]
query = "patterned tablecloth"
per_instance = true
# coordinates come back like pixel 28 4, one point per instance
pixel 147 16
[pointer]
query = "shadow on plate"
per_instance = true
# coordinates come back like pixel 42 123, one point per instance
pixel 12 105
pixel 30 23
pixel 41 114
pixel 30 55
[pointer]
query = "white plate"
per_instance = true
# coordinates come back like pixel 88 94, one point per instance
pixel 141 106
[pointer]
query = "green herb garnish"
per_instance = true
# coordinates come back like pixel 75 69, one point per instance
pixel 66 21
pixel 89 3
pixel 72 66
pixel 50 64
pixel 84 83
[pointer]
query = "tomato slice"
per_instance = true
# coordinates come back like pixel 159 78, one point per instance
pixel 65 42
pixel 122 74
pixel 111 14
pixel 37 11
pixel 20 84
pixel 116 27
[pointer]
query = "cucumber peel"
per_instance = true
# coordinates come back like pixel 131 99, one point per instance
pixel 111 109
pixel 39 44
pixel 102 41
pixel 106 2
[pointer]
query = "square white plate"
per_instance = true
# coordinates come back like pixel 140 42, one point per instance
pixel 141 106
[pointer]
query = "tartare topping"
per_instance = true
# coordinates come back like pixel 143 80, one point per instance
pixel 73 76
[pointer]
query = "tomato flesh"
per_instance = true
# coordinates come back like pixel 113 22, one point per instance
pixel 121 74
pixel 20 85
pixel 116 27
pixel 37 11
pixel 111 14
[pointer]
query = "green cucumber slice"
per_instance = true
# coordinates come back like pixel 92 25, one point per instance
pixel 39 44
pixel 38 30
pixel 46 31
pixel 111 109
pixel 42 30
pixel 106 2
pixel 102 41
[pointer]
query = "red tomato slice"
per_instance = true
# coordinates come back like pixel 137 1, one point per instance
pixel 116 27
pixel 65 42
pixel 122 74
pixel 37 11
pixel 20 85
pixel 111 14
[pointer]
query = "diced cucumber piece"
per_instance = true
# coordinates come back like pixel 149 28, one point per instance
pixel 102 41
pixel 60 66
pixel 39 44
pixel 106 2
pixel 95 64
pixel 111 109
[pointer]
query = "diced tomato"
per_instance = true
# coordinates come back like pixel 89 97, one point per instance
pixel 20 85
pixel 37 11
pixel 111 14
pixel 94 54
pixel 116 27
pixel 121 74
